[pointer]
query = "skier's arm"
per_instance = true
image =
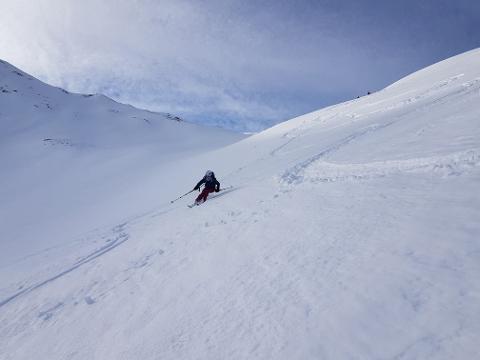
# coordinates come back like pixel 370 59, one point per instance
pixel 217 185
pixel 197 187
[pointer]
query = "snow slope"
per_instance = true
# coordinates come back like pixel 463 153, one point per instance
pixel 71 162
pixel 351 233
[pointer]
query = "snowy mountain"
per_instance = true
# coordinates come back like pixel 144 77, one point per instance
pixel 72 162
pixel 352 232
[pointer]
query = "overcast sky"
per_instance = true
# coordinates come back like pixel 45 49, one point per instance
pixel 240 64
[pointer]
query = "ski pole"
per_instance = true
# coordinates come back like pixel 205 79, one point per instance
pixel 182 196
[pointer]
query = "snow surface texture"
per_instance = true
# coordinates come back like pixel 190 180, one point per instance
pixel 351 233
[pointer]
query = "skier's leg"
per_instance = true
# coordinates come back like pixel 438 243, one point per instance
pixel 206 194
pixel 197 200
pixel 203 196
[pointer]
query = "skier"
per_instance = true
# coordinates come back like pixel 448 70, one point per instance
pixel 211 185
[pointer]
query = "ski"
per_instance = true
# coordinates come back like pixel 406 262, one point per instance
pixel 214 195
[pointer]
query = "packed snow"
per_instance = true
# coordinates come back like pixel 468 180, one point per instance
pixel 352 232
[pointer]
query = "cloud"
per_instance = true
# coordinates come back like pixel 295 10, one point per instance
pixel 245 65
pixel 173 56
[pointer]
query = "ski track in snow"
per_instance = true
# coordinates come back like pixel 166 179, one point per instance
pixel 472 86
pixel 464 88
pixel 296 174
pixel 321 171
pixel 120 237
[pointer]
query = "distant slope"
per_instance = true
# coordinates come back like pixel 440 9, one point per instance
pixel 66 158
pixel 350 233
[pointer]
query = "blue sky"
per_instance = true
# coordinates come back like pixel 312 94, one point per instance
pixel 244 65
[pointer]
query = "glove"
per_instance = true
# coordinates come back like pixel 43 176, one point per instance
pixel 217 190
pixel 196 188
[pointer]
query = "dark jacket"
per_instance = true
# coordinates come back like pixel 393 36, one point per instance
pixel 210 183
